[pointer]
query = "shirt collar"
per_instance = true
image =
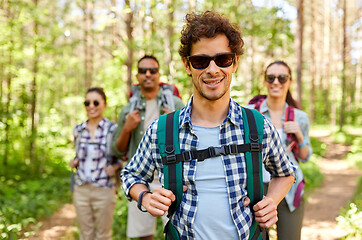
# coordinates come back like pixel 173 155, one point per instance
pixel 158 96
pixel 264 107
pixel 101 123
pixel 232 115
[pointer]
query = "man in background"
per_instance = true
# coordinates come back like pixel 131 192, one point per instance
pixel 149 100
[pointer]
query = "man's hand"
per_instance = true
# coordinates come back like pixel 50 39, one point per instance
pixel 158 202
pixel 266 212
pixel 74 163
pixel 132 120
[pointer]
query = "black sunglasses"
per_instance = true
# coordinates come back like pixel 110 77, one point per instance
pixel 282 78
pixel 202 61
pixel 87 103
pixel 144 70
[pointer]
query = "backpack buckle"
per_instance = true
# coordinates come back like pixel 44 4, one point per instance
pixel 254 137
pixel 186 155
pixel 169 149
pixel 255 147
pixel 211 151
pixel 232 149
pixel 169 159
pixel 220 151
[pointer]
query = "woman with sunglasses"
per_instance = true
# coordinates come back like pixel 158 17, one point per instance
pixel 94 191
pixel 280 108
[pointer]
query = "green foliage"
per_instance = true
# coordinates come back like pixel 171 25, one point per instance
pixel 311 171
pixel 354 140
pixel 350 219
pixel 23 201
pixel 120 221
pixel 312 174
pixel 355 155
pixel 319 147
pixel 343 138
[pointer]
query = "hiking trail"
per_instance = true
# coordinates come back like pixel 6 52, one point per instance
pixel 324 203
pixel 322 207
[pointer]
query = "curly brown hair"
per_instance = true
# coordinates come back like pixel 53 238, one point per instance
pixel 209 24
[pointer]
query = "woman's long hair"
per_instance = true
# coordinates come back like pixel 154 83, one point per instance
pixel 289 99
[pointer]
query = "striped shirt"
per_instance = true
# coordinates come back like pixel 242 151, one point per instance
pixel 147 159
pixel 82 135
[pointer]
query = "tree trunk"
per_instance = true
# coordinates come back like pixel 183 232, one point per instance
pixel 7 118
pixel 335 42
pixel 299 39
pixel 91 42
pixel 313 62
pixel 33 90
pixel 2 83
pixel 357 96
pixel 115 27
pixel 170 71
pixel 129 30
pixel 87 45
pixel 327 56
pixel 153 27
pixel 344 59
pixel 192 5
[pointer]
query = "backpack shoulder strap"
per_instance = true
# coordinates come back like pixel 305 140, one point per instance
pixel 291 139
pixel 257 101
pixel 134 99
pixel 77 134
pixel 167 98
pixel 109 138
pixel 168 144
pixel 253 134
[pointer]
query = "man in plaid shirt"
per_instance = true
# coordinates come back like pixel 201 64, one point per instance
pixel 214 203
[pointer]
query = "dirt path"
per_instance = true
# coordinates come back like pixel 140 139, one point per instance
pixel 321 210
pixel 325 203
pixel 60 224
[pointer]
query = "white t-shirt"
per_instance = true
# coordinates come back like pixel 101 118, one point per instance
pixel 88 162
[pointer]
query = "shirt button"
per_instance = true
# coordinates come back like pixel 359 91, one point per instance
pixel 141 132
pixel 143 118
pixel 193 194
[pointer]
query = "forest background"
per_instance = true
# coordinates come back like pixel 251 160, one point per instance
pixel 52 51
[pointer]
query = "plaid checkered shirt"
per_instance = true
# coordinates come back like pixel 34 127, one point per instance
pixel 99 176
pixel 147 159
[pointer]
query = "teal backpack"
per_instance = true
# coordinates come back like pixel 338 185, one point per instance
pixel 172 159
